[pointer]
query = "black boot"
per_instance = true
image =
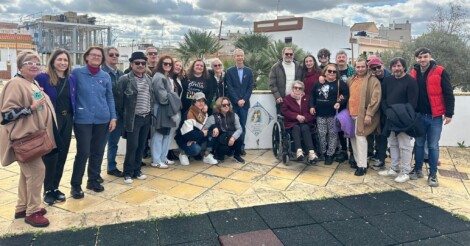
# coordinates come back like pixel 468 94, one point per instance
pixel 342 156
pixel 329 160
pixel 352 162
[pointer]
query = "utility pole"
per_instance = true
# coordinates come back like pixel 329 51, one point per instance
pixel 277 15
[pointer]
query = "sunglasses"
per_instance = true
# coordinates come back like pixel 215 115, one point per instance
pixel 331 71
pixel 288 54
pixel 168 64
pixel 376 68
pixel 137 63
pixel 298 88
pixel 225 105
pixel 113 54
pixel 30 63
pixel 217 65
pixel 152 53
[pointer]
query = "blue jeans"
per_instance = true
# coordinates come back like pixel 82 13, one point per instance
pixel 432 134
pixel 159 146
pixel 243 115
pixel 194 149
pixel 113 140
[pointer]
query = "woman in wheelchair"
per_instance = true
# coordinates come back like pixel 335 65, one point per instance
pixel 298 120
pixel 225 127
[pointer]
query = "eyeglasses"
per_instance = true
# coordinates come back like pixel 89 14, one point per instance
pixel 96 55
pixel 217 65
pixel 113 54
pixel 376 68
pixel 225 105
pixel 137 63
pixel 168 64
pixel 298 88
pixel 152 53
pixel 331 71
pixel 288 54
pixel 30 63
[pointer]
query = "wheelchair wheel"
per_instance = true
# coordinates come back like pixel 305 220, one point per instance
pixel 285 159
pixel 277 141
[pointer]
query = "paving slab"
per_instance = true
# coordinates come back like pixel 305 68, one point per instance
pixel 365 205
pixel 237 221
pixel 437 241
pixel 185 230
pixel 253 238
pixel 357 232
pixel 133 233
pixel 209 242
pixel 439 219
pixel 461 237
pixel 19 240
pixel 399 200
pixel 85 237
pixel 327 210
pixel 284 215
pixel 305 235
pixel 401 227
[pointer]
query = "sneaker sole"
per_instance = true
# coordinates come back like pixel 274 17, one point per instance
pixel 36 225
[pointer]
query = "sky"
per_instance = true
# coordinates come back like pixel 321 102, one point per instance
pixel 166 21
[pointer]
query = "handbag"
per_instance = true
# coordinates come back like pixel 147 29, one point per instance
pixel 224 137
pixel 32 146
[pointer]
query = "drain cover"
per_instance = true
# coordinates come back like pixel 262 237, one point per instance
pixel 453 174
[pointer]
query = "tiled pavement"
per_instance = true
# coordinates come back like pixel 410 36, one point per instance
pixel 201 188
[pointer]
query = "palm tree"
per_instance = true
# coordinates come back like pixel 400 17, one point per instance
pixel 197 44
pixel 252 45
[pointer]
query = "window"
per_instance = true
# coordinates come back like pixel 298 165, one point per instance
pixel 288 40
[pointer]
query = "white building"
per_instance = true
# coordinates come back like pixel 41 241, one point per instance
pixel 309 34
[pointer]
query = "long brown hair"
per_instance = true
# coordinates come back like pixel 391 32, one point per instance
pixel 190 73
pixel 51 71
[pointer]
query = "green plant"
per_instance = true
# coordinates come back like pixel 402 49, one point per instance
pixel 461 217
pixel 461 144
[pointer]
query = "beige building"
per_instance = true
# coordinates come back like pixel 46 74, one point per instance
pixel 367 40
pixel 396 32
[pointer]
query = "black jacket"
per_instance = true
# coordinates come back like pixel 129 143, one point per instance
pixel 402 118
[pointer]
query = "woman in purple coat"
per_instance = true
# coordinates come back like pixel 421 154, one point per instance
pixel 297 119
pixel 59 84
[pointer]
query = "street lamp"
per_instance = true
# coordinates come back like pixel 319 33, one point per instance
pixel 132 46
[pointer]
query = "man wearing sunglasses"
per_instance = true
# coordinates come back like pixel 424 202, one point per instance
pixel 110 67
pixel 152 58
pixel 282 76
pixel 378 141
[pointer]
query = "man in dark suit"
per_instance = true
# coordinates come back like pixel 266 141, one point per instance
pixel 239 80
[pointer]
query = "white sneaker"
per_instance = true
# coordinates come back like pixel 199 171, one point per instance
pixel 141 176
pixel 160 165
pixel 311 155
pixel 300 154
pixel 388 173
pixel 168 162
pixel 128 180
pixel 403 177
pixel 184 160
pixel 209 159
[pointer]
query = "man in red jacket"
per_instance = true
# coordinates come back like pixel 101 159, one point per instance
pixel 435 107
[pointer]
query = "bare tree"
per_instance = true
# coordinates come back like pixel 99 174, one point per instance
pixel 452 19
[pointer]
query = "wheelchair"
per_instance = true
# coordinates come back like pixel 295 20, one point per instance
pixel 283 143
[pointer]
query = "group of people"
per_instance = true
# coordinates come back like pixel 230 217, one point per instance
pixel 153 104
pixel 367 108
pixel 201 113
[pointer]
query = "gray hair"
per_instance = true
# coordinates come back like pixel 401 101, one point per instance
pixel 341 52
pixel 24 56
pixel 298 82
pixel 108 48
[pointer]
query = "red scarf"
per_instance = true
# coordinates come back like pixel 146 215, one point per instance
pixel 93 70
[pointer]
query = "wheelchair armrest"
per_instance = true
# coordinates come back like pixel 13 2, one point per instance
pixel 280 117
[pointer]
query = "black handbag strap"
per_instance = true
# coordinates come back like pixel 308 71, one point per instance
pixel 62 89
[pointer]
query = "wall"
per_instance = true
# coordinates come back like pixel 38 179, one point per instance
pixel 456 131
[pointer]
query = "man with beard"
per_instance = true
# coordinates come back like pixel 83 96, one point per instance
pixel 282 76
pixel 364 102
pixel 399 89
pixel 435 107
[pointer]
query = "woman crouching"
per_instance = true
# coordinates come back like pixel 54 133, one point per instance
pixel 226 130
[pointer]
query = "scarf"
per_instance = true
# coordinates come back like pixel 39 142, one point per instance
pixel 93 70
pixel 297 98
pixel 196 114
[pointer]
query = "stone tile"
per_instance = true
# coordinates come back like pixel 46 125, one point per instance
pixel 132 214
pixel 136 196
pixel 162 199
pixel 274 182
pixel 7 197
pixel 157 172
pixel 320 170
pixel 259 188
pixel 219 171
pixel 204 180
pixel 107 205
pixel 271 197
pixel 11 182
pixel 348 176
pixel 195 208
pixel 216 205
pixel 248 201
pixel 164 210
pixel 178 175
pixel 215 194
pixel 257 168
pixel 61 222
pixel 245 176
pixel 7 210
pixel 270 161
pixel 292 165
pixel 284 173
pixel 102 217
pixel 230 162
pixel 6 174
pixel 233 186
pixel 454 184
pixel 312 178
pixel 111 190
pixel 79 205
pixel 185 191
pixel 161 184
pixel 194 167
